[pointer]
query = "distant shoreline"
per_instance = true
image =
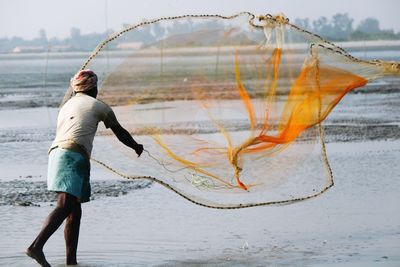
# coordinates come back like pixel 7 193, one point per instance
pixel 359 45
pixel 350 46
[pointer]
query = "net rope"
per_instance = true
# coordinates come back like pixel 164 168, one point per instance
pixel 316 45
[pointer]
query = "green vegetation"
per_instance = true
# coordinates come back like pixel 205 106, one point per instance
pixel 340 28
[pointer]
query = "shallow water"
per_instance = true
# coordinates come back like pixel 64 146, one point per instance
pixel 356 222
pixel 41 79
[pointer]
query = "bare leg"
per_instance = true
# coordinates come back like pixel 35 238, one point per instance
pixel 65 204
pixel 71 233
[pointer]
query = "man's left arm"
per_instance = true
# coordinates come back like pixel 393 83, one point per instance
pixel 122 134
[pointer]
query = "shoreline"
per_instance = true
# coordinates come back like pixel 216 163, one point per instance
pixel 25 193
pixel 350 46
pixel 31 190
pixel 382 86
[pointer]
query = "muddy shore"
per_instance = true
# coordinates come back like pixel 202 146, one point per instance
pixel 34 193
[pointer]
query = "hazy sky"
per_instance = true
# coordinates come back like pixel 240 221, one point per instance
pixel 25 17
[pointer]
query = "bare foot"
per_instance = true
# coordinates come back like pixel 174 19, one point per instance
pixel 38 255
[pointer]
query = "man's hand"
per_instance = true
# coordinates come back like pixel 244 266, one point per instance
pixel 138 149
pixel 124 136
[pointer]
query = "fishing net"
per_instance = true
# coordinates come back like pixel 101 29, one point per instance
pixel 229 109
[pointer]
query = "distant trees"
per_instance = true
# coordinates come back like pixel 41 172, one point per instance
pixel 304 23
pixel 321 25
pixel 42 35
pixel 342 26
pixel 158 30
pixel 369 29
pixel 338 28
pixel 369 26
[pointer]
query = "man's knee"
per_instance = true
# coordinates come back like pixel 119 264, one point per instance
pixel 75 215
pixel 67 202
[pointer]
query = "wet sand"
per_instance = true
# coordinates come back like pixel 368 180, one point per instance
pixel 356 223
pixel 25 193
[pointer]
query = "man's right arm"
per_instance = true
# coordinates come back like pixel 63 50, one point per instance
pixel 123 135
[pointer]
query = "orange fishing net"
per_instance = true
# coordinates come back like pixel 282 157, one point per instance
pixel 229 109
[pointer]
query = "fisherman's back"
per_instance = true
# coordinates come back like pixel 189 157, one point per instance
pixel 78 120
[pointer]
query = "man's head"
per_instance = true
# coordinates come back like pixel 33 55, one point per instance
pixel 85 81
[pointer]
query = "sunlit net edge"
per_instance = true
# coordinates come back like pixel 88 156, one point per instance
pixel 322 43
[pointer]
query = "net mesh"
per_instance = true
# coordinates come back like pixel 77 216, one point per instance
pixel 229 109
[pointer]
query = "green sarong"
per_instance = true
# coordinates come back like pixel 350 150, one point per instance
pixel 69 172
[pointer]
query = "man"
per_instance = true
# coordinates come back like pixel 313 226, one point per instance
pixel 69 165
